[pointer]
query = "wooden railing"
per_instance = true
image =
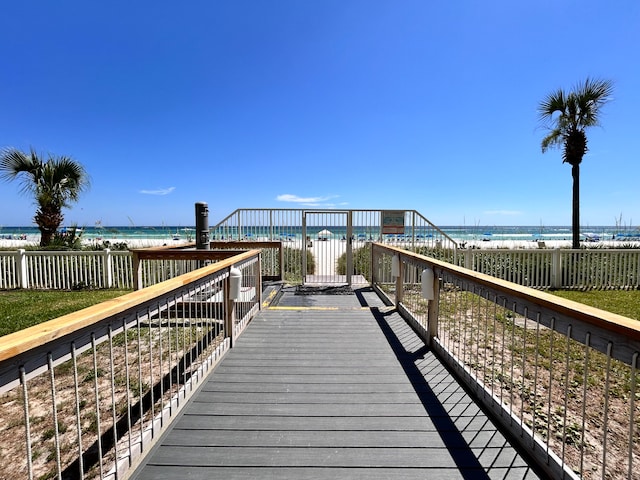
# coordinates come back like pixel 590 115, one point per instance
pixel 561 376
pixel 87 394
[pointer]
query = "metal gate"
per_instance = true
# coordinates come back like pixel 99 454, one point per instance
pixel 328 240
pixel 331 246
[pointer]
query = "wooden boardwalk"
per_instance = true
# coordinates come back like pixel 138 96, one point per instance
pixel 332 387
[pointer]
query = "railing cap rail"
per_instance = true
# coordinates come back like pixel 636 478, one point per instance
pixel 24 340
pixel 594 316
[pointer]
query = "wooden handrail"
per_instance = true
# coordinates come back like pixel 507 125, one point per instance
pixel 24 340
pixel 591 315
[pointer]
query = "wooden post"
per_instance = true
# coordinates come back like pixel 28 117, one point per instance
pixel 433 311
pixel 137 271
pixel 281 250
pixel 259 281
pixel 230 313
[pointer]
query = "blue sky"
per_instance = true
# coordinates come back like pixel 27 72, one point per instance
pixel 427 105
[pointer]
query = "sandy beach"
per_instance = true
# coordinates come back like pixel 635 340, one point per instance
pixel 34 240
pixel 320 248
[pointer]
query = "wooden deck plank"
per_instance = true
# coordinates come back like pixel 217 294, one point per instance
pixel 332 394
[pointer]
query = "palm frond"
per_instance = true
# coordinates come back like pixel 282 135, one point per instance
pixel 553 139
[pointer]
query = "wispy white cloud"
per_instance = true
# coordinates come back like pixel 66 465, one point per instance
pixel 315 202
pixel 161 191
pixel 287 197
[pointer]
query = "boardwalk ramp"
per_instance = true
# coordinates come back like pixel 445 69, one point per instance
pixel 332 386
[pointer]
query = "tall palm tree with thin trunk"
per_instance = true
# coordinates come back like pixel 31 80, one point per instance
pixel 54 183
pixel 567 115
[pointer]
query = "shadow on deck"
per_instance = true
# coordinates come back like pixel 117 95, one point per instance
pixel 331 387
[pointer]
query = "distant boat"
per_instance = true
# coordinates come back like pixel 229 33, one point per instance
pixel 176 236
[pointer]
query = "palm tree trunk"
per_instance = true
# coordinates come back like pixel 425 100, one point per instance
pixel 575 221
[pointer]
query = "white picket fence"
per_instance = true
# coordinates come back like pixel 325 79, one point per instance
pixel 591 268
pixel 537 268
pixel 66 270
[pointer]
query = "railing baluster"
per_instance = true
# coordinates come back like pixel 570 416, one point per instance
pixel 534 407
pixel 632 410
pixel 127 381
pixel 114 413
pixel 587 349
pixel 54 413
pixel 96 386
pixel 605 426
pixel 27 422
pixel 550 387
pixel 76 389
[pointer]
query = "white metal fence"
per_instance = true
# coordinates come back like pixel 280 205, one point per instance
pixel 66 269
pixel 84 395
pixel 562 377
pixel 589 268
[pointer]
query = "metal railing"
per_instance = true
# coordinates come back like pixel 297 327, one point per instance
pixel 560 376
pixel 86 394
pixel 331 244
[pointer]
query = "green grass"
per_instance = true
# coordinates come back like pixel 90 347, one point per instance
pixel 20 309
pixel 622 302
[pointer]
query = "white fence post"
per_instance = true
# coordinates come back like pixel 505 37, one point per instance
pixel 468 259
pixel 107 268
pixel 21 268
pixel 556 269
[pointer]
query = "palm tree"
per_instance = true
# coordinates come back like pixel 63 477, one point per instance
pixel 54 183
pixel 567 115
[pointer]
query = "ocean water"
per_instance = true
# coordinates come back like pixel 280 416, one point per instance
pixel 457 232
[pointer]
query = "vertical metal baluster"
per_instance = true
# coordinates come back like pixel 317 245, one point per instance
pixel 172 331
pixel 177 361
pixel 27 423
pixel 486 341
pixel 493 348
pixel 550 397
pixel 151 386
pixel 566 392
pixel 140 385
pixel 587 348
pixel 161 362
pixel 127 373
pixel 632 409
pixel 535 381
pixel 54 407
pixel 524 367
pixel 114 412
pixel 504 337
pixel 512 360
pixel 605 426
pixel 76 387
pixel 476 362
pixel 463 326
pixel 184 354
pixel 97 398
pixel 191 346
